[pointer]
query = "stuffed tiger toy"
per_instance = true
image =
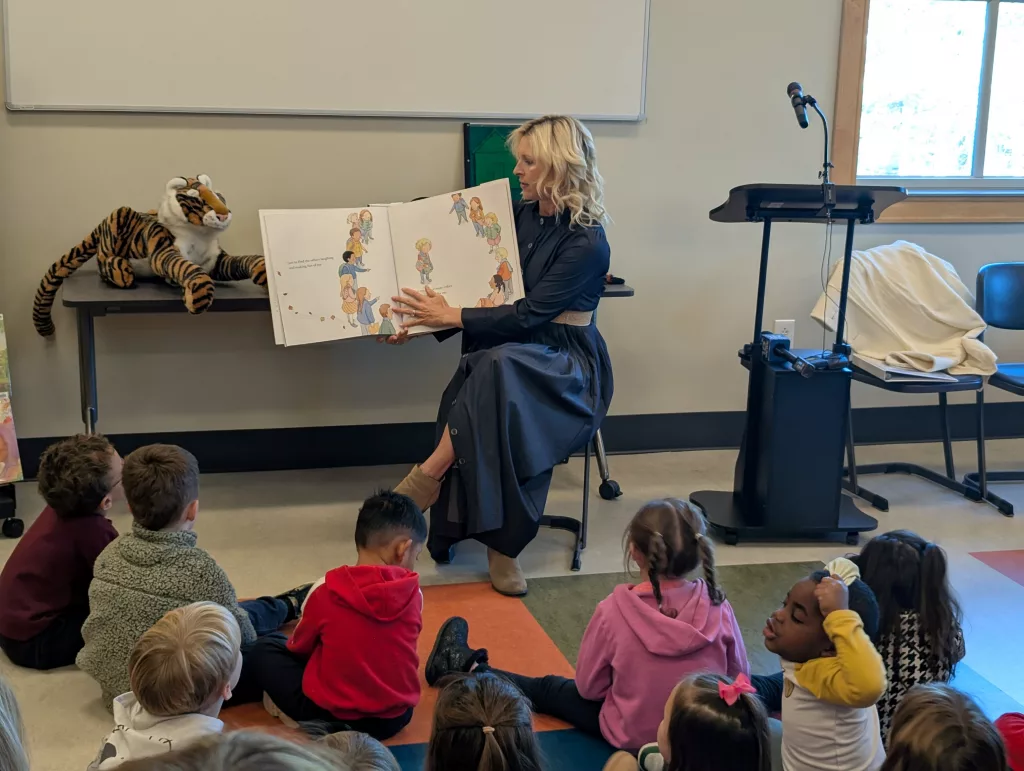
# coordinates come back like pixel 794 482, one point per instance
pixel 177 242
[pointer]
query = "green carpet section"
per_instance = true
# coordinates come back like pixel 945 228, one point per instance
pixel 563 605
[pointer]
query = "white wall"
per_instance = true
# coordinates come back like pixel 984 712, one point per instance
pixel 717 117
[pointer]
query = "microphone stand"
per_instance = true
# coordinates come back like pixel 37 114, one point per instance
pixel 828 188
pixel 841 352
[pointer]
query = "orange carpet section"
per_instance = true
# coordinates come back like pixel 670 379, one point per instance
pixel 1009 563
pixel 503 625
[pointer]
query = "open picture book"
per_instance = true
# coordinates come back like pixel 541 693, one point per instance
pixel 332 272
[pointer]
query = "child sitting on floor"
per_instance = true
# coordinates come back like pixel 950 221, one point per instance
pixel 482 723
pixel 919 618
pixel 351 663
pixel 832 675
pixel 157 567
pixel 709 723
pixel 44 586
pixel 181 670
pixel 1011 729
pixel 641 640
pixel 937 728
pixel 360 752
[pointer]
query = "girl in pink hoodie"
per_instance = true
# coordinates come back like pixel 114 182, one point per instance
pixel 642 640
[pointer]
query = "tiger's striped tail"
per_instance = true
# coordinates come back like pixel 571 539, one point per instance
pixel 42 306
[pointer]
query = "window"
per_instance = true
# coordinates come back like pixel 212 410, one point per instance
pixel 930 97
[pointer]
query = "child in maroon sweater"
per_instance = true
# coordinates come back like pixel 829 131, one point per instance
pixel 352 662
pixel 44 587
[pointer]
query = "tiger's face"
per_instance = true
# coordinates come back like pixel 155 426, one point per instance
pixel 193 201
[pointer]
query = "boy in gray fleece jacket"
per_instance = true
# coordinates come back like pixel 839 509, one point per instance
pixel 157 567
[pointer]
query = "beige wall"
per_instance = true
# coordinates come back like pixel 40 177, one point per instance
pixel 717 117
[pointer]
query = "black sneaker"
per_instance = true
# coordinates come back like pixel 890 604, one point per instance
pixel 451 651
pixel 295 597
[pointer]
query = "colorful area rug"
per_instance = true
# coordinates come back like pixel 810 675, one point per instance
pixel 540 635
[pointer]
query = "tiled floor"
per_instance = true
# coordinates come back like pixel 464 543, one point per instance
pixel 272 531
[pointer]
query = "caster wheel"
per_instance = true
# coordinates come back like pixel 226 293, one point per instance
pixel 13 527
pixel 610 490
pixel 732 538
pixel 852 539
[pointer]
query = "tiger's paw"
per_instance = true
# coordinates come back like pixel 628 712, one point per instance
pixel 198 294
pixel 259 273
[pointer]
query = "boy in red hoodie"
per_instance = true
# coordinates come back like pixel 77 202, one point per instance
pixel 352 663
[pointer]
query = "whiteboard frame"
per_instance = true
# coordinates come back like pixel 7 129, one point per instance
pixel 486 116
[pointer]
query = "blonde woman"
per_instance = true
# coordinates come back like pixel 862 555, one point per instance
pixel 535 381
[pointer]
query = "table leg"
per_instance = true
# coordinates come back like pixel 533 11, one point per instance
pixel 87 370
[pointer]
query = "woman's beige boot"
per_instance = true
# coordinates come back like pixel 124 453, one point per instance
pixel 419 486
pixel 506 575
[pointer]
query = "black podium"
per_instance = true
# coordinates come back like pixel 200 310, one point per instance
pixel 789 472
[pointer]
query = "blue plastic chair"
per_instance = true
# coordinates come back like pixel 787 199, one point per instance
pixel 1000 302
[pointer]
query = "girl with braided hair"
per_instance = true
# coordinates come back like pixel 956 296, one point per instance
pixel 642 640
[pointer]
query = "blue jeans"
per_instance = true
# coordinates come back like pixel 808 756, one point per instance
pixel 268 614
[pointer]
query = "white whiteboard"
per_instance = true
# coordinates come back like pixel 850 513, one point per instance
pixel 432 58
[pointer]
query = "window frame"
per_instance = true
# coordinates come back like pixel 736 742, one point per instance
pixel 999 202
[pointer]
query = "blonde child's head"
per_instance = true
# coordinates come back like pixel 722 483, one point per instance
pixel 668 538
pixel 12 732
pixel 423 244
pixel 482 723
pixel 161 483
pixel 188 661
pixel 491 218
pixel 712 723
pixel 501 253
pixel 242 751
pixel 359 752
pixel 937 728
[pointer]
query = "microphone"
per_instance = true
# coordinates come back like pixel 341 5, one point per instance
pixel 796 95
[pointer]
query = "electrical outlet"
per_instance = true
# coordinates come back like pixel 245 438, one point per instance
pixel 785 327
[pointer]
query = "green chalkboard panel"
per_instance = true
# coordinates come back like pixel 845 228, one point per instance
pixel 487 157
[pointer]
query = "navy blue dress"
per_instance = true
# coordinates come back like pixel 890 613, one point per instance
pixel 528 392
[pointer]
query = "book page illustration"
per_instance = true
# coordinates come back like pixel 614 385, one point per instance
pixel 328 283
pixel 10 458
pixel 454 244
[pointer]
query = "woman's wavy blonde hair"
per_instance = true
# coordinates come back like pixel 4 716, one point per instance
pixel 565 150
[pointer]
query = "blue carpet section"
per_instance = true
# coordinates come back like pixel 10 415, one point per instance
pixel 992 700
pixel 562 749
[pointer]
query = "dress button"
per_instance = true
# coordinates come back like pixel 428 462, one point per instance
pixel 541 220
pixel 455 432
pixel 453 402
pixel 529 245
pixel 462 461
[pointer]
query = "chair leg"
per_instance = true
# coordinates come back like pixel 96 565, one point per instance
pixel 979 408
pixel 851 485
pixel 609 488
pixel 586 500
pixel 947 441
pixel 979 480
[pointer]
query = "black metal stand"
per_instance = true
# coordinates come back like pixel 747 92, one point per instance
pixel 12 527
pixel 789 472
pixel 949 479
pixel 578 527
